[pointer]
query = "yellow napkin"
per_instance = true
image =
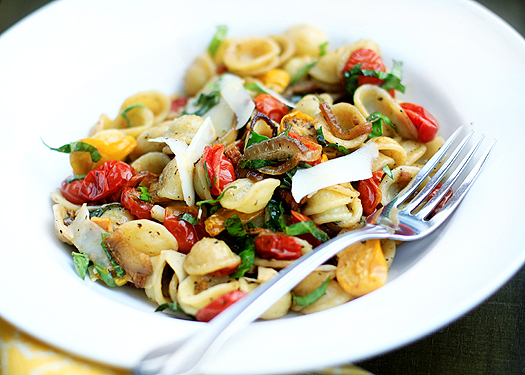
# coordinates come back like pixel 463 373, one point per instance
pixel 21 354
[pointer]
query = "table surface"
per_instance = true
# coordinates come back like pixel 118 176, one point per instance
pixel 488 340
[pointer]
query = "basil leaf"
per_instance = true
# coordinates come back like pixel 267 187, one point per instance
pixel 276 212
pixel 388 171
pixel 100 211
pixel 255 163
pixel 312 296
pixel 76 147
pixel 378 120
pixel 302 72
pixel 75 177
pixel 255 137
pixel 286 181
pixel 105 276
pixel 218 38
pixel 216 200
pixel 119 271
pixel 124 113
pixel 175 311
pixel 306 227
pixel 247 259
pixel 205 102
pixel 253 86
pixel 323 49
pixel 81 263
pixel 322 141
pixel 189 218
pixel 243 244
pixel 391 80
pixel 144 193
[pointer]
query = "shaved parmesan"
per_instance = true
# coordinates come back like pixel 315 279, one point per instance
pixel 87 238
pixel 352 167
pixel 222 117
pixel 234 93
pixel 186 156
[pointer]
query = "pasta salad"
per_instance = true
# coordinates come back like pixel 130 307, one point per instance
pixel 275 145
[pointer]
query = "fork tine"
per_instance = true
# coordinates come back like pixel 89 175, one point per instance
pixel 462 190
pixel 438 176
pixel 427 169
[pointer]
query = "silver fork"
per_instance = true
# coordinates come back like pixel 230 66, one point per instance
pixel 401 219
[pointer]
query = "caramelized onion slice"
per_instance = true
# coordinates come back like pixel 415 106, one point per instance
pixel 336 129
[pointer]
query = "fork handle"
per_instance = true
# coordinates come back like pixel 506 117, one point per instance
pixel 185 356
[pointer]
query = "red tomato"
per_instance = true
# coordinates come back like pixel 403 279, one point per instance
pixel 442 202
pixel 278 246
pixel 369 192
pixel 298 217
pixel 185 233
pixel 71 190
pixel 220 169
pixel 178 103
pixel 218 305
pixel 130 199
pixel 106 181
pixel 369 60
pixel 271 107
pixel 427 126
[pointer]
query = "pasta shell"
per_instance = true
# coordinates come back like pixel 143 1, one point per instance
pixel 62 231
pixel 246 196
pixel 286 45
pixel 148 237
pixel 371 98
pixel 170 185
pixel 306 39
pixel 184 128
pixel 144 145
pixel 390 188
pixel 309 104
pixel 168 272
pixel 348 117
pixel 133 121
pixel 201 70
pixel 153 162
pixel 157 102
pixel 392 149
pixel 210 255
pixel 326 68
pixel 414 150
pixel 251 55
pixel 196 292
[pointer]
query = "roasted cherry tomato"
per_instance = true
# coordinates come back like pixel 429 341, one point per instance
pixel 426 125
pixel 278 246
pixel 369 60
pixel 442 202
pixel 219 167
pixel 106 181
pixel 218 305
pixel 178 103
pixel 369 192
pixel 271 107
pixel 131 198
pixel 71 190
pixel 186 234
pixel 298 217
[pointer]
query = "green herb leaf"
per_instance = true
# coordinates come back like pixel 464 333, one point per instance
pixel 302 72
pixel 254 86
pixel 76 177
pixel 105 276
pixel 312 296
pixel 255 163
pixel 218 38
pixel 124 113
pixel 189 218
pixel 378 120
pixel 306 227
pixel 276 212
pixel 216 200
pixel 119 271
pixel 242 243
pixel 81 263
pixel 204 103
pixel 144 193
pixel 391 80
pixel 255 137
pixel 78 146
pixel 100 211
pixel 388 171
pixel 175 311
pixel 323 49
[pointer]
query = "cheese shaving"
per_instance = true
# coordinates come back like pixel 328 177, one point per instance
pixel 352 167
pixel 234 93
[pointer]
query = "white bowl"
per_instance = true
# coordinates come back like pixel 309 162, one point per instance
pixel 71 61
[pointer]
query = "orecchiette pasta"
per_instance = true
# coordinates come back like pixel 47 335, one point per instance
pixel 194 196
